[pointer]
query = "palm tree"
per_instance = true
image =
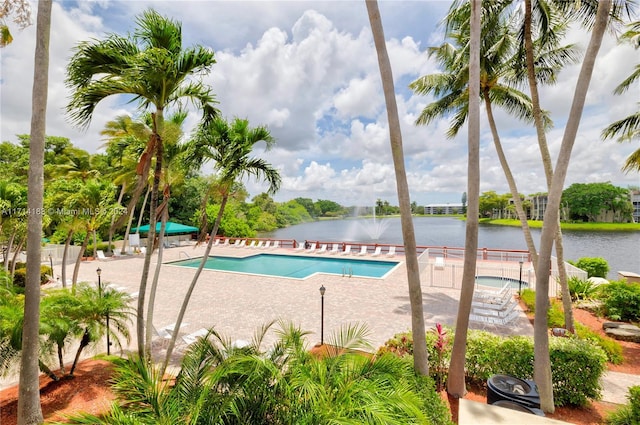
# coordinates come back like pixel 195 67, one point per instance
pixel 420 354
pixel 229 146
pixel 596 15
pixel 221 383
pixel 29 409
pixel 153 66
pixel 628 129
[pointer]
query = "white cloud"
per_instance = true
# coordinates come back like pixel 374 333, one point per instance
pixel 309 71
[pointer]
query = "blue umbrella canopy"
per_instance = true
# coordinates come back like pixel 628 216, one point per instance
pixel 170 229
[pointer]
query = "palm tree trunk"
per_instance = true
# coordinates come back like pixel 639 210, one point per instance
pixel 86 338
pixel 14 260
pixel 29 408
pixel 43 367
pixel 76 267
pixel 113 218
pixel 8 251
pixel 455 383
pixel 194 280
pixel 522 216
pixel 420 353
pixel 140 330
pixel 60 358
pixel 542 363
pixel 64 258
pixel 154 282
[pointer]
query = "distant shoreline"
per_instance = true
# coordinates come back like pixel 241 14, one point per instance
pixel 591 227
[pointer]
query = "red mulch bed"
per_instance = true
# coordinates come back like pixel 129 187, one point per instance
pixel 89 391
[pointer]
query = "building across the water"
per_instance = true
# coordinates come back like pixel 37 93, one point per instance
pixel 441 209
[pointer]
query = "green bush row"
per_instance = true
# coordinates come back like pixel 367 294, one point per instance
pixel 20 276
pixel 576 364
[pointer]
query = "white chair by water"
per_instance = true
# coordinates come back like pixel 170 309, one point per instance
pixel 259 245
pixel 312 248
pixel 392 251
pixel 323 249
pixel 267 244
pixel 252 244
pixel 276 244
pixel 377 251
pixel 363 250
pixel 439 265
pixel 335 249
pixel 101 256
pixel 347 250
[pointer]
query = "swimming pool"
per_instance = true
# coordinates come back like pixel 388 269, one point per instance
pixel 499 282
pixel 294 266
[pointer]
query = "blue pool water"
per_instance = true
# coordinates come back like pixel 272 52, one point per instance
pixel 294 266
pixel 499 282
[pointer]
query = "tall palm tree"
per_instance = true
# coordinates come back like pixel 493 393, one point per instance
pixel 628 129
pixel 154 67
pixel 420 354
pixel 229 145
pixel 29 408
pixel 596 16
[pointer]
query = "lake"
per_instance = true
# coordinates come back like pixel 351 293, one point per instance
pixel 620 249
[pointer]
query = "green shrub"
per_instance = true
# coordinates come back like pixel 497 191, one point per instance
pixel 20 276
pixel 621 301
pixel 594 266
pixel 610 346
pixel 576 365
pixel 581 289
pixel 528 297
pixel 555 315
pixel 629 414
pixel 101 246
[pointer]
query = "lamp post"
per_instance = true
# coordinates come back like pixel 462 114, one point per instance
pixel 51 263
pixel 520 281
pixel 322 291
pixel 99 272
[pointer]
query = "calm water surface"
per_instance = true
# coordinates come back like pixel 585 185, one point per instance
pixel 620 249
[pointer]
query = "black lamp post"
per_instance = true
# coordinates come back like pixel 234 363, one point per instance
pixel 520 281
pixel 322 291
pixel 51 263
pixel 99 272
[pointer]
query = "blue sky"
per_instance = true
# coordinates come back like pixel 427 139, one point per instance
pixel 308 71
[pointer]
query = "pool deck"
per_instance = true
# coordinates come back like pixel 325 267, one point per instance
pixel 238 304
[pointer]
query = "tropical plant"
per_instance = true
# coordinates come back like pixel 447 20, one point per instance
pixel 420 358
pixel 594 266
pixel 229 145
pixel 153 66
pixel 219 382
pixel 581 289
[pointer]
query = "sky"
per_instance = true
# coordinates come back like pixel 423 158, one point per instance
pixel 308 71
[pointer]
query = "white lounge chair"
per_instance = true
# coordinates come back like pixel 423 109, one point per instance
pixel 259 245
pixel 243 243
pixel 347 250
pixel 276 244
pixel 377 251
pixel 392 251
pixel 267 244
pixel 252 244
pixel 363 250
pixel 101 256
pixel 226 242
pixel 299 247
pixel 323 249
pixel 312 248
pixel 237 243
pixel 335 249
pixel 439 265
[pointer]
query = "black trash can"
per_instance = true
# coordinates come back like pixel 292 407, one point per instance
pixel 509 388
pixel 518 407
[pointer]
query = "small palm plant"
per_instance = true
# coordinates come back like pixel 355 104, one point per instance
pixel 220 383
